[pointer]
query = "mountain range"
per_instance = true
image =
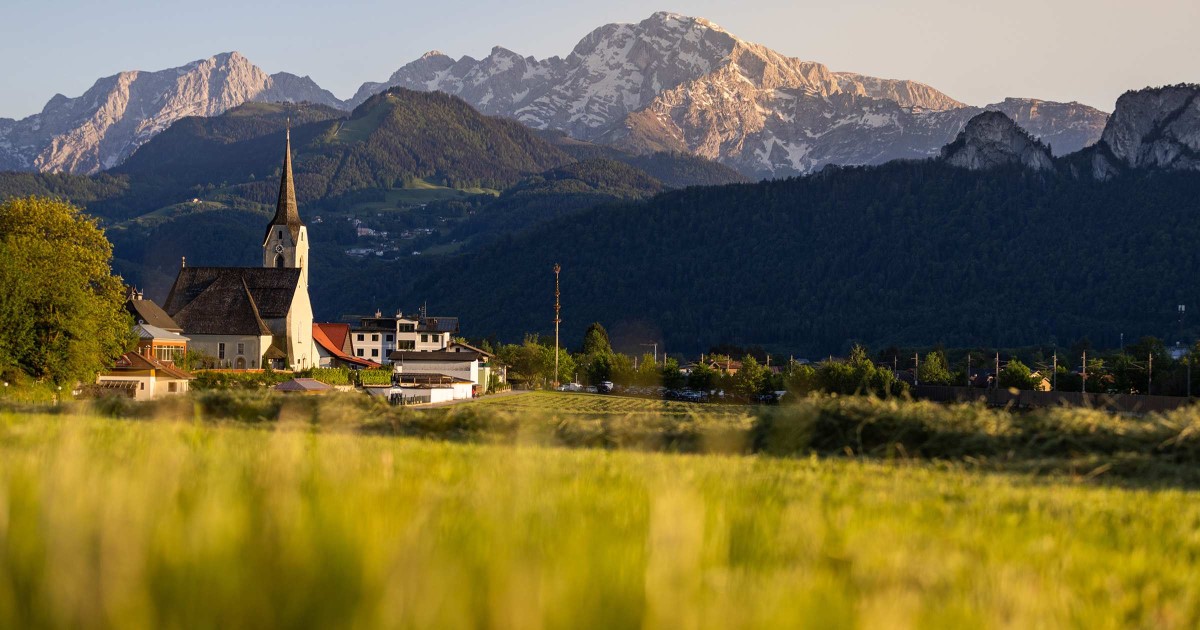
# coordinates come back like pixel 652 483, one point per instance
pixel 668 83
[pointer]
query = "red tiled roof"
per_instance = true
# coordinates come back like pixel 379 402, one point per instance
pixel 323 340
pixel 337 333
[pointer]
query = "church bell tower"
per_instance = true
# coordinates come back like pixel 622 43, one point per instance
pixel 286 242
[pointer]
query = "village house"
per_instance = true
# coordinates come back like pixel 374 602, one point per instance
pixel 335 348
pixel 143 378
pixel 437 376
pixel 375 338
pixel 150 371
pixel 252 317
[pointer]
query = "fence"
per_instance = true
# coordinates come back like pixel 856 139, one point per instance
pixel 401 399
pixel 1022 399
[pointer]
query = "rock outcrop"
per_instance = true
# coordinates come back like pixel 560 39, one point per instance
pixel 992 139
pixel 1151 128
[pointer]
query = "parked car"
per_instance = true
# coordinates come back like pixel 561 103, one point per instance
pixel 605 387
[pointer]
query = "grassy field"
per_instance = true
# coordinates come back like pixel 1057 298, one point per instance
pixel 247 509
pixel 593 404
pixel 107 523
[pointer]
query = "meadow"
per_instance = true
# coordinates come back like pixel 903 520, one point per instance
pixel 476 516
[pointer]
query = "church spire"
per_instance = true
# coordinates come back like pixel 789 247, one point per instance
pixel 286 211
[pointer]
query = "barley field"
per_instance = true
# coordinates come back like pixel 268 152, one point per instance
pixel 588 404
pixel 168 524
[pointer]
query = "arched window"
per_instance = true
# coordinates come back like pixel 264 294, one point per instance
pixel 279 261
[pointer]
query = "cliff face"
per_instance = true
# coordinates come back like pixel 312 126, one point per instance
pixel 1151 128
pixel 992 139
pixel 107 123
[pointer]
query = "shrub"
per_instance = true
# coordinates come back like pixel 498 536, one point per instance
pixel 378 376
pixel 333 376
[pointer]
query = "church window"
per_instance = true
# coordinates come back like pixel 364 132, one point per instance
pixel 279 234
pixel 279 261
pixel 221 351
pixel 241 348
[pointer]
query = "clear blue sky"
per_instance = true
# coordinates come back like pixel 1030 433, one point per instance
pixel 977 52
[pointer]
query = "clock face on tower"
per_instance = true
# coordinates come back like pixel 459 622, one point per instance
pixel 279 248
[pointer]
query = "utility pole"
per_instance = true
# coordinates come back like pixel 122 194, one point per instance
pixel 557 321
pixel 997 378
pixel 1083 381
pixel 916 369
pixel 1054 374
pixel 655 346
pixel 1149 372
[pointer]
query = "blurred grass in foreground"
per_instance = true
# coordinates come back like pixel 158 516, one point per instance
pixel 109 523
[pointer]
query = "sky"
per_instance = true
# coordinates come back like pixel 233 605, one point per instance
pixel 977 52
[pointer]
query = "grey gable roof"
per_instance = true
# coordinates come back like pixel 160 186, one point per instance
pixel 147 312
pixel 231 300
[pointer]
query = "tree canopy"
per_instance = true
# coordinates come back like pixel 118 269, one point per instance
pixel 61 314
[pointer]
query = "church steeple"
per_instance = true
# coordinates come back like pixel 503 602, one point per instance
pixel 285 245
pixel 286 212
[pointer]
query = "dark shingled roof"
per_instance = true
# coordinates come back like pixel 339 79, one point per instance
pixel 438 324
pixel 147 312
pixel 286 211
pixel 231 300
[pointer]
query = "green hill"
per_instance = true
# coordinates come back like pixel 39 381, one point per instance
pixel 559 192
pixel 673 169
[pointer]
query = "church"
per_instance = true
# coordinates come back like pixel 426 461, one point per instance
pixel 253 317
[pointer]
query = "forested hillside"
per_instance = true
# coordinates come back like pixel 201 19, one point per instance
pixel 906 253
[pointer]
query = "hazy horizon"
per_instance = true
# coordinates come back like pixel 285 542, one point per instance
pixel 1089 52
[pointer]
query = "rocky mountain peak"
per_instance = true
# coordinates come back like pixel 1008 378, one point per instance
pixel 1152 128
pixel 992 139
pixel 102 127
pixel 680 83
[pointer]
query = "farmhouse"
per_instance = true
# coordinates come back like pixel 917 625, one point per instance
pixel 252 317
pixel 143 378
